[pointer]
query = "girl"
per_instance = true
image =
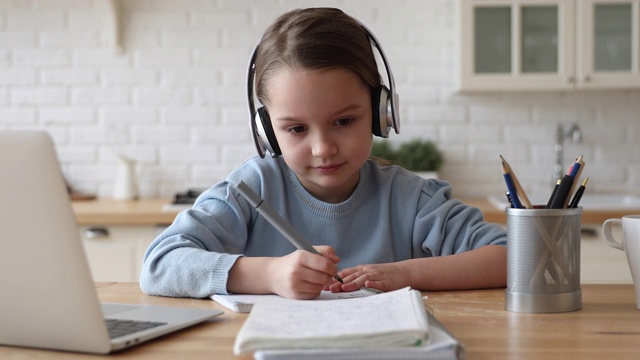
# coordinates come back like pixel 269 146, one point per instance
pixel 376 226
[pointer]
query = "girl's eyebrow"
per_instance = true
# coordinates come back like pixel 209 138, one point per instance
pixel 340 111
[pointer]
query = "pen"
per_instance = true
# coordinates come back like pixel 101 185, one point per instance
pixel 276 220
pixel 509 199
pixel 553 193
pixel 559 199
pixel 578 195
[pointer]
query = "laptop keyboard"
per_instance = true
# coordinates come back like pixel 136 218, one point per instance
pixel 119 327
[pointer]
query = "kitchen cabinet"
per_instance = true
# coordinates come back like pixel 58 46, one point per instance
pixel 116 234
pixel 599 262
pixel 115 252
pixel 548 44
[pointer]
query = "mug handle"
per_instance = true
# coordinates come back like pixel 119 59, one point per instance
pixel 608 235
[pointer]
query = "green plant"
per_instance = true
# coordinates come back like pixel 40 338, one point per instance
pixel 419 155
pixel 415 155
pixel 382 150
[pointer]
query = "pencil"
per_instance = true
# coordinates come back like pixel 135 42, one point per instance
pixel 519 190
pixel 575 174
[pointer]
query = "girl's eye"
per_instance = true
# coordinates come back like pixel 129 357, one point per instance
pixel 344 121
pixel 296 129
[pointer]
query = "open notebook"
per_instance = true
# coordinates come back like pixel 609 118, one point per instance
pixel 48 297
pixel 392 319
pixel 244 302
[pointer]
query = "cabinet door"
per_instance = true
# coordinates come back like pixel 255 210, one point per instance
pixel 600 263
pixel 608 44
pixel 516 45
pixel 115 252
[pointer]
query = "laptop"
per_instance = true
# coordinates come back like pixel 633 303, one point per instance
pixel 48 296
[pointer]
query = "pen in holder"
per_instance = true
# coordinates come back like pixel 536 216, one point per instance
pixel 543 260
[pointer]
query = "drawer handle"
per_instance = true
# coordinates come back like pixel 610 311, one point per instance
pixel 95 233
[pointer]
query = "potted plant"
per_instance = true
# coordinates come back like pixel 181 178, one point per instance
pixel 419 156
pixel 383 152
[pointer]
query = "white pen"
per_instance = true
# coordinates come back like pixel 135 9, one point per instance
pixel 276 220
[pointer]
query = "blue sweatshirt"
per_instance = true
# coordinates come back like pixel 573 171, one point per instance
pixel 392 215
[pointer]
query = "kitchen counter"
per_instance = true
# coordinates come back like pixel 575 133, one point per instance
pixel 123 212
pixel 151 212
pixel 495 215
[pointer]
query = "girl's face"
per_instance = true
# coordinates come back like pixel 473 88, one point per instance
pixel 322 120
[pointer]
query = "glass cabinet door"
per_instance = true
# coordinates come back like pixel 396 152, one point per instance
pixel 539 39
pixel 492 40
pixel 608 44
pixel 516 44
pixel 612 37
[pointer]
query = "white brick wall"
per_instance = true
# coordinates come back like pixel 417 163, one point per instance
pixel 175 100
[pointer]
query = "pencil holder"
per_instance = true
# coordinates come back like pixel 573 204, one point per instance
pixel 543 260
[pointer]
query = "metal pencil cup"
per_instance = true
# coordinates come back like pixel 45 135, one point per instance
pixel 543 260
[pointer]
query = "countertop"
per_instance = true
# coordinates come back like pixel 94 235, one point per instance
pixel 123 212
pixel 152 212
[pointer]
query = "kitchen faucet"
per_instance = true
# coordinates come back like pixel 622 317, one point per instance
pixel 576 137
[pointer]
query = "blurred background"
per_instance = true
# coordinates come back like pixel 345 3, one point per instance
pixel 163 83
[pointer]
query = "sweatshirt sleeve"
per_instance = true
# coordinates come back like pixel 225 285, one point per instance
pixel 193 256
pixel 446 226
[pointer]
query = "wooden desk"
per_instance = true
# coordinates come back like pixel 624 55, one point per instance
pixel 607 327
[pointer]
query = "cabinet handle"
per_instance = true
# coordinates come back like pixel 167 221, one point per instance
pixel 586 78
pixel 96 233
pixel 570 79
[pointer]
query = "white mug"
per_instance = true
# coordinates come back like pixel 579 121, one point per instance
pixel 630 244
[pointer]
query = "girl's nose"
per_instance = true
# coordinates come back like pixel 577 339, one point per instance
pixel 323 146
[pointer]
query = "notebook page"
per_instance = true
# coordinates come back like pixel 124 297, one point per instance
pixel 244 302
pixel 373 321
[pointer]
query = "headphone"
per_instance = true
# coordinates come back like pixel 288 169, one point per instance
pixel 384 102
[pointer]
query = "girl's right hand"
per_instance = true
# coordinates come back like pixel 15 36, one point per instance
pixel 301 274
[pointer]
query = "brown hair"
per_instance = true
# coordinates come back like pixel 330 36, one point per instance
pixel 313 39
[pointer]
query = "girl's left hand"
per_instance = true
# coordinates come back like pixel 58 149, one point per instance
pixel 385 277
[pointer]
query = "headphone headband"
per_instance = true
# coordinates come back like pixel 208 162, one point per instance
pixel 393 98
pixel 385 109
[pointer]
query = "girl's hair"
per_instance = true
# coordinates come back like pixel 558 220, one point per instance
pixel 313 39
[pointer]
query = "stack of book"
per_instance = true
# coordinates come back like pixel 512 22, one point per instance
pixel 392 325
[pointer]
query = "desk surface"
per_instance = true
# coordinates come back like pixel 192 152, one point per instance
pixel 608 326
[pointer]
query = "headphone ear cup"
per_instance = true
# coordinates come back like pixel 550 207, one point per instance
pixel 381 116
pixel 267 137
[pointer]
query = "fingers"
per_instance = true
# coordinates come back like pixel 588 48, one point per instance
pixel 323 264
pixel 328 252
pixel 303 275
pixel 373 276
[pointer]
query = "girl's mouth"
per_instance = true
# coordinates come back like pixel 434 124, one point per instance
pixel 328 169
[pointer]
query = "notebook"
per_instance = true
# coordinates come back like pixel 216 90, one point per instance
pixel 441 345
pixel 244 302
pixel 48 296
pixel 392 319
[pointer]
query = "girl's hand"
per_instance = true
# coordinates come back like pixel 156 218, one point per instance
pixel 301 274
pixel 385 277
